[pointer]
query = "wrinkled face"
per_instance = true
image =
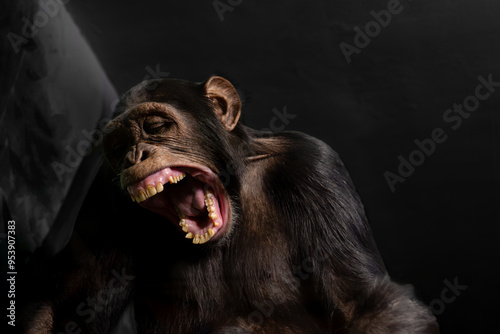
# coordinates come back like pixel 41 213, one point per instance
pixel 164 163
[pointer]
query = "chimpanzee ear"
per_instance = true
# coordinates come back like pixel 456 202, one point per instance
pixel 227 103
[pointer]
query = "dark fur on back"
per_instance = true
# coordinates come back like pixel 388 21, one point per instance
pixel 299 258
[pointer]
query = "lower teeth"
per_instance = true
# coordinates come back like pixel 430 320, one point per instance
pixel 201 238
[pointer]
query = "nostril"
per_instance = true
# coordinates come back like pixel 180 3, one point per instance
pixel 137 154
pixel 143 155
pixel 142 152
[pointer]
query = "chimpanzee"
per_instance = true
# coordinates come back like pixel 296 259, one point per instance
pixel 199 224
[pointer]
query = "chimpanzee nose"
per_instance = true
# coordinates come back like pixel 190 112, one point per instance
pixel 138 153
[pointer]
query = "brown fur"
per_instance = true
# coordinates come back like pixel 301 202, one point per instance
pixel 298 257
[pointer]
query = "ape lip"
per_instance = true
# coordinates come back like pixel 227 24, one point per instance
pixel 191 195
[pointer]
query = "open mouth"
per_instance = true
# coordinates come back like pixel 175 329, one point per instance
pixel 193 197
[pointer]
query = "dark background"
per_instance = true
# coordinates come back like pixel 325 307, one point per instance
pixel 442 223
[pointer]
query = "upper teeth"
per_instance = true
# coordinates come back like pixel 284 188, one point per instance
pixel 151 190
pixel 175 179
pixel 206 234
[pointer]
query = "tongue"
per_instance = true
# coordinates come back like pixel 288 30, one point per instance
pixel 188 197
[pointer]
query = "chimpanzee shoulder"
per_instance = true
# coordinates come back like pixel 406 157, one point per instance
pixel 297 153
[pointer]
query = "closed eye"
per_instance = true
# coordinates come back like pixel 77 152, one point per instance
pixel 157 128
pixel 156 125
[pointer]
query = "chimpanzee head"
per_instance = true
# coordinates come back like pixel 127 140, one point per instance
pixel 169 142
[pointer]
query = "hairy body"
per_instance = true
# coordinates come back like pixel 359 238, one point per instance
pixel 248 232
